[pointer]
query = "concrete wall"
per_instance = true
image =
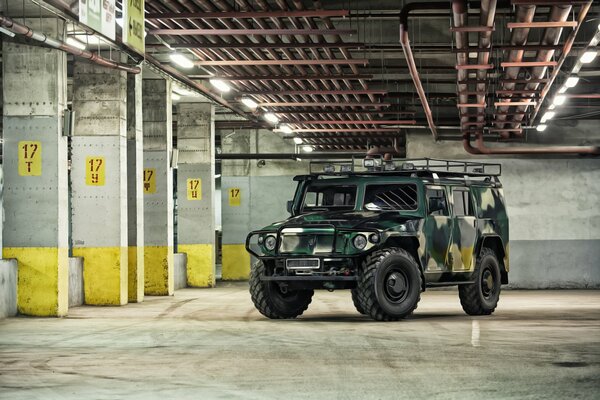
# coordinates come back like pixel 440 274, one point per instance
pixel 180 270
pixel 554 213
pixel 76 293
pixel 8 288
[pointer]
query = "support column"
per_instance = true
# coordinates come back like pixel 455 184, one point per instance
pixel 158 187
pixel 135 196
pixel 35 171
pixel 99 181
pixel 196 191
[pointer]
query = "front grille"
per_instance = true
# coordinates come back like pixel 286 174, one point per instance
pixel 302 263
pixel 306 244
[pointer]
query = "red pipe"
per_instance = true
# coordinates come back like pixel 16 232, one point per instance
pixel 482 149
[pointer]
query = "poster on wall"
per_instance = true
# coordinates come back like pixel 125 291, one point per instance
pixel 133 24
pixel 98 15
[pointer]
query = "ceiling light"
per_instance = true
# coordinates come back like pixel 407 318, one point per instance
pixel 119 22
pixel 548 115
pixel 307 149
pixel 220 85
pixel 559 100
pixel 588 57
pixel 562 89
pixel 298 140
pixel 571 81
pixel 285 128
pixel 248 102
pixel 551 107
pixel 75 43
pixel 541 128
pixel 181 60
pixel 272 118
pixel 175 96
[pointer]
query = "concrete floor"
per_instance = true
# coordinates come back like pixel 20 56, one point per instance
pixel 212 344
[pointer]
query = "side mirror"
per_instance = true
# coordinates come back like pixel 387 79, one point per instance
pixel 290 204
pixel 435 204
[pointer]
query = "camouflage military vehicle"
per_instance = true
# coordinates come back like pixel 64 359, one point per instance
pixel 386 230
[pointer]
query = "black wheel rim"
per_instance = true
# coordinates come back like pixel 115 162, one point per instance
pixel 487 283
pixel 396 286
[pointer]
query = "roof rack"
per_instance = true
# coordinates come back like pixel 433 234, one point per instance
pixel 417 166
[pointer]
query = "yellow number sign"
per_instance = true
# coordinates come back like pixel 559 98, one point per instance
pixel 235 197
pixel 95 171
pixel 149 181
pixel 30 158
pixel 194 189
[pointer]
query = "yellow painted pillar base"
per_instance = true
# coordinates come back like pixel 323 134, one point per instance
pixel 235 262
pixel 43 280
pixel 158 271
pixel 104 275
pixel 135 279
pixel 200 264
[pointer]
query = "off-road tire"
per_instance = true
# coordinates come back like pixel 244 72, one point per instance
pixel 479 298
pixel 271 302
pixel 378 294
pixel 356 301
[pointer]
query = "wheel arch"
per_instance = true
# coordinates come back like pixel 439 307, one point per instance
pixel 494 242
pixel 410 244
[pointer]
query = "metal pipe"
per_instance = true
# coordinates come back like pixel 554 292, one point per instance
pixel 410 59
pixel 287 156
pixel 482 149
pixel 26 31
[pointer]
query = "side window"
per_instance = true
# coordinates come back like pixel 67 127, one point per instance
pixel 436 202
pixel 462 202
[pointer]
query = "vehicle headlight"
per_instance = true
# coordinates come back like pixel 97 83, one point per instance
pixel 360 242
pixel 270 242
pixel 374 238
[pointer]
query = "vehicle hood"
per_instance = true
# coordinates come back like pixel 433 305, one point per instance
pixel 380 220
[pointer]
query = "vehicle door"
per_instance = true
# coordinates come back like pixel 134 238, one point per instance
pixel 464 230
pixel 437 229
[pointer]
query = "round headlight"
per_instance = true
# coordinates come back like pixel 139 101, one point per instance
pixel 270 242
pixel 360 242
pixel 374 238
pixel 261 239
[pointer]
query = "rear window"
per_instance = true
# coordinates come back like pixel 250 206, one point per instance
pixel 402 197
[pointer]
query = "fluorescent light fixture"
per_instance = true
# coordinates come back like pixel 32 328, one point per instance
pixel 119 21
pixel 248 102
pixel 75 43
pixel 285 128
pixel 217 176
pixel 220 85
pixel 571 81
pixel 175 96
pixel 181 60
pixel 551 107
pixel 588 57
pixel 559 100
pixel 298 140
pixel 307 149
pixel 548 115
pixel 541 128
pixel 562 89
pixel 7 32
pixel 272 118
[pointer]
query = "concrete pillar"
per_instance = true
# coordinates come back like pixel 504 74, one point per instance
pixel 158 187
pixel 195 191
pixel 99 181
pixel 135 196
pixel 35 171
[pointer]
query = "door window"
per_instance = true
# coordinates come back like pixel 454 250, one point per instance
pixel 462 203
pixel 436 202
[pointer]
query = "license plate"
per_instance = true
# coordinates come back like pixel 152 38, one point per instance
pixel 303 263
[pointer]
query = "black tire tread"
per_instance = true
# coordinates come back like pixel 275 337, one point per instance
pixel 366 297
pixel 469 294
pixel 261 299
pixel 356 301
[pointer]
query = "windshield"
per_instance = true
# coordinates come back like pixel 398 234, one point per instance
pixel 401 197
pixel 329 197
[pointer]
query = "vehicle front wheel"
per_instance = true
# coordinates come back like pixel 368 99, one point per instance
pixel 481 297
pixel 389 285
pixel 273 300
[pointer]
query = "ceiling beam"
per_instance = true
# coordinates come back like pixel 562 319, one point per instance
pixel 354 122
pixel 542 24
pixel 358 130
pixel 246 32
pixel 324 104
pixel 287 77
pixel 250 14
pixel 230 63
pixel 282 45
pixel 311 92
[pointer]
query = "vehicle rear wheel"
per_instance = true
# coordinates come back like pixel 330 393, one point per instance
pixel 481 297
pixel 356 301
pixel 274 301
pixel 389 285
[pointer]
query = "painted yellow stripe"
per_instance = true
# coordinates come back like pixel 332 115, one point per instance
pixel 43 280
pixel 200 264
pixel 158 270
pixel 135 274
pixel 104 275
pixel 236 262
